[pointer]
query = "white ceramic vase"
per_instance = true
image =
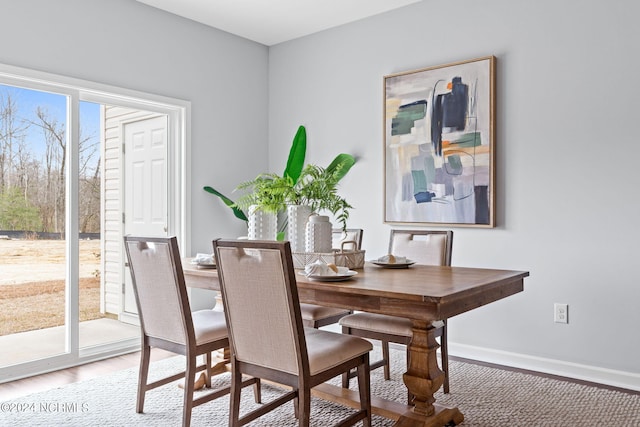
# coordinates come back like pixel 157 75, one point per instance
pixel 318 234
pixel 262 225
pixel 297 216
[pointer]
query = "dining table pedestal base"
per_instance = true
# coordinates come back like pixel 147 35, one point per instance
pixel 423 379
pixel 219 365
pixel 402 414
pixel 442 416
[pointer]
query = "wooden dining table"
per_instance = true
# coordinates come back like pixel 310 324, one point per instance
pixel 421 293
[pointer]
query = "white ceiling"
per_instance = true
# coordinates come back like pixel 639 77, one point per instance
pixel 274 21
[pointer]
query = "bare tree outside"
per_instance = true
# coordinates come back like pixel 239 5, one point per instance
pixel 33 148
pixel 12 134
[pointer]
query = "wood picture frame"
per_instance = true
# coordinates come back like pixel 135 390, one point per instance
pixel 439 145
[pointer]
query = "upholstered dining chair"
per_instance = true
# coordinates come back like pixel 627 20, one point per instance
pixel 317 316
pixel 429 247
pixel 349 239
pixel 167 322
pixel 267 336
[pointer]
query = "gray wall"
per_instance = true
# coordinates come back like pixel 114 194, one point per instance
pixel 567 154
pixel 127 44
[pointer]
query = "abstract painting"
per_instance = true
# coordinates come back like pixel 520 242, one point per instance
pixel 439 148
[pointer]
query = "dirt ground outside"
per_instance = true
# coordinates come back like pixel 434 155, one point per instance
pixel 32 283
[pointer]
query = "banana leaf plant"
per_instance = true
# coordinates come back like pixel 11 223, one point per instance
pixel 292 172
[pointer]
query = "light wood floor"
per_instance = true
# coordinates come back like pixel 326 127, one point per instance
pixel 19 388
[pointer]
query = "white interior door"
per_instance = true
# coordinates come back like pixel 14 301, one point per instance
pixel 145 186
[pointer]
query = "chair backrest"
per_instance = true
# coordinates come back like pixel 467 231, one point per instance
pixel 159 288
pixel 349 235
pixel 261 304
pixel 428 247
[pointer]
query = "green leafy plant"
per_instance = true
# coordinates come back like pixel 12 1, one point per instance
pixel 227 201
pixel 294 166
pixel 318 188
pixel 268 192
pixel 272 193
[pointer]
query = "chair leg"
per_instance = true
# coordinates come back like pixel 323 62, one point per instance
pixel 345 375
pixel 385 358
pixel 236 389
pixel 364 387
pixel 304 405
pixel 345 380
pixel 208 372
pixel 444 353
pixel 143 376
pixel 189 379
pixel 257 391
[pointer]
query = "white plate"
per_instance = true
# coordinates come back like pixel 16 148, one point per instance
pixel 206 265
pixel 332 278
pixel 393 265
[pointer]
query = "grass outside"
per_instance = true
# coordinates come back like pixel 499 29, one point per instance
pixel 34 297
pixel 30 306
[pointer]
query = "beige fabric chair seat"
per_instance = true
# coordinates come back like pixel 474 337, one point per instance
pixel 328 349
pixel 378 323
pixel 209 325
pixel 381 323
pixel 312 313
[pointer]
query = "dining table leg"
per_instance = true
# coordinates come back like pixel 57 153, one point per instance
pixel 423 378
pixel 223 355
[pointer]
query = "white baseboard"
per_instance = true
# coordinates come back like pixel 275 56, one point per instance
pixel 626 380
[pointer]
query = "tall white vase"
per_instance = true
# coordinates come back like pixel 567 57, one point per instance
pixel 297 216
pixel 318 234
pixel 262 225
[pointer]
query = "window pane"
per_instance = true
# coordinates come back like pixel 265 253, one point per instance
pixel 32 223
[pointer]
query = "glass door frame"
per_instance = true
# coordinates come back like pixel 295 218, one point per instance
pixel 178 112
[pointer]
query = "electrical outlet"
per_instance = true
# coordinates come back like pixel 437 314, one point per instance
pixel 561 313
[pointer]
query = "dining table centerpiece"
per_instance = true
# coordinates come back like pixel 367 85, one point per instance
pixel 315 191
pixel 292 197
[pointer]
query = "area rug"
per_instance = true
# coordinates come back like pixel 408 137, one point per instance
pixel 486 396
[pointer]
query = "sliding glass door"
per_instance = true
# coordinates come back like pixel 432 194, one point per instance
pixel 63 298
